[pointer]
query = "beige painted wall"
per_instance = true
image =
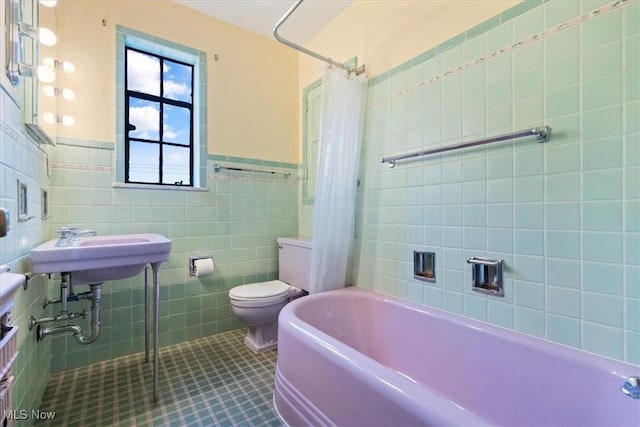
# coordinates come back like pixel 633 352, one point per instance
pixel 386 33
pixel 252 89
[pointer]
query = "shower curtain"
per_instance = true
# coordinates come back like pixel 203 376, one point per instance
pixel 341 124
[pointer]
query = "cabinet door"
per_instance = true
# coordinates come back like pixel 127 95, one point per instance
pixel 9 13
pixel 33 105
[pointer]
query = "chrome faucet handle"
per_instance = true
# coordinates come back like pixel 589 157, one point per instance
pixel 67 235
pixel 66 231
pixel 631 387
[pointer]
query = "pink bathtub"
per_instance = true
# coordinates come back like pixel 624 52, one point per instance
pixel 354 357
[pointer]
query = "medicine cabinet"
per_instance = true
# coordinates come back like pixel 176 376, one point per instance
pixel 21 60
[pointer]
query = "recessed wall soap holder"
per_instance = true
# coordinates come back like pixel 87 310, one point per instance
pixel 424 266
pixel 486 275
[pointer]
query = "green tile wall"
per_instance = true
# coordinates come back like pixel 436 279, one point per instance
pixel 237 222
pixel 564 215
pixel 21 158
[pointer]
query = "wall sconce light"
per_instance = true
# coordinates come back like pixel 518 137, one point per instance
pixel 43 35
pixel 44 74
pixel 15 68
pixel 53 119
pixel 56 64
pixel 48 3
pixel 52 91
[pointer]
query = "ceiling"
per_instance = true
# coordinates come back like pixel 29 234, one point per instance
pixel 260 16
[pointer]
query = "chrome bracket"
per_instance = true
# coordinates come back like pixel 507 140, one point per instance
pixel 631 387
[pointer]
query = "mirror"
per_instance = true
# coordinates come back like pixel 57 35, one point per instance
pixel 9 48
pixel 20 53
pixel 31 89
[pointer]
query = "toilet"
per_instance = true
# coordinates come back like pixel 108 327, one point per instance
pixel 258 304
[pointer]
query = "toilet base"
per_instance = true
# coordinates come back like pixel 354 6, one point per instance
pixel 259 348
pixel 262 338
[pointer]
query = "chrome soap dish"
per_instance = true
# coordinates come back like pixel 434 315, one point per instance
pixel 486 275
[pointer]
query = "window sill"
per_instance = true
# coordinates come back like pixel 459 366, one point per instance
pixel 158 187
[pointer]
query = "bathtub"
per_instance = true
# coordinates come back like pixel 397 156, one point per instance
pixel 354 357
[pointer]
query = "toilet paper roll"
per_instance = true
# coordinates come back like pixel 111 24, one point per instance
pixel 204 266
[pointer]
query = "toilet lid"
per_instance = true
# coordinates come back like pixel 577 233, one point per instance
pixel 273 288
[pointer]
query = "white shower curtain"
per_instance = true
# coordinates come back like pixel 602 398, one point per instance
pixel 341 124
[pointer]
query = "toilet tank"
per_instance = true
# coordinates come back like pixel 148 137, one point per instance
pixel 294 261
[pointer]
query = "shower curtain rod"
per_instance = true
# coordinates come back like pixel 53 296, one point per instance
pixel 356 69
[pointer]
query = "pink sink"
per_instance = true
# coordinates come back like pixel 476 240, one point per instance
pixel 9 285
pixel 95 259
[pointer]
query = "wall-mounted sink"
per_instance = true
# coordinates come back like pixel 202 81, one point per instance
pixel 95 259
pixel 9 285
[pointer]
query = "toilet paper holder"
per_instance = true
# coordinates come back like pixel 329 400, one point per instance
pixel 192 263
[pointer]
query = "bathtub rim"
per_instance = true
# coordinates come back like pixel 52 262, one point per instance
pixel 468 323
pixel 409 397
pixel 604 368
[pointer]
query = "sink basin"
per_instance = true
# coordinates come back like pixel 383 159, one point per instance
pixel 9 285
pixel 95 259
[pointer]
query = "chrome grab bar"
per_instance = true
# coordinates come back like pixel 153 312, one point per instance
pixel 483 261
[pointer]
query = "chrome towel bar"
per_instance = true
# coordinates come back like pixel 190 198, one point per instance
pixel 542 134
pixel 217 167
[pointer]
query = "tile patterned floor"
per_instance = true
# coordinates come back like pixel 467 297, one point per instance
pixel 210 381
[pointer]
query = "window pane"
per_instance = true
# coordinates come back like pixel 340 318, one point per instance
pixel 143 73
pixel 177 81
pixel 145 116
pixel 176 163
pixel 177 125
pixel 144 159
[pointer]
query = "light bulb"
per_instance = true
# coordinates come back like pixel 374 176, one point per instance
pixel 65 66
pixel 48 3
pixel 57 118
pixel 49 90
pixel 68 67
pixel 67 120
pixel 47 37
pixel 49 118
pixel 46 74
pixel 68 94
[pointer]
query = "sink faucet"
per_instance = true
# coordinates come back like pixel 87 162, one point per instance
pixel 69 235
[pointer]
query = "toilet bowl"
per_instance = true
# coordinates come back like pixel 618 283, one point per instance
pixel 257 305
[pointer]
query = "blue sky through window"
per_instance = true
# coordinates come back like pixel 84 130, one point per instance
pixel 144 77
pixel 177 81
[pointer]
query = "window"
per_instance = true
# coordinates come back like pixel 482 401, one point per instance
pixel 159 120
pixel 161 126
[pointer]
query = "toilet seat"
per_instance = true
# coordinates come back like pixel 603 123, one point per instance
pixel 261 294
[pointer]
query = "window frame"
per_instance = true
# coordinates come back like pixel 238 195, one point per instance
pixel 148 44
pixel 162 101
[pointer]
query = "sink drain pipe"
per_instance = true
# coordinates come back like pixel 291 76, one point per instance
pixel 95 295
